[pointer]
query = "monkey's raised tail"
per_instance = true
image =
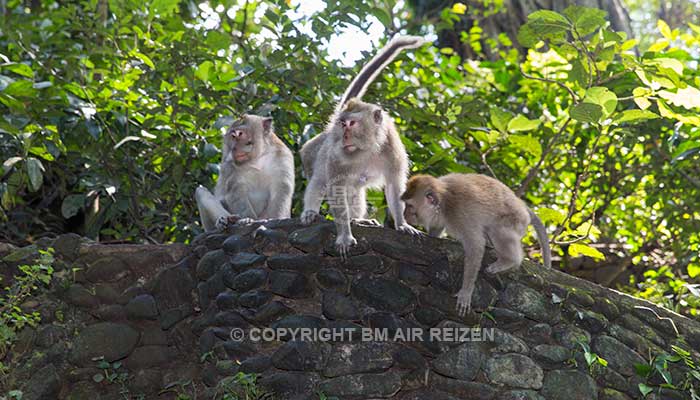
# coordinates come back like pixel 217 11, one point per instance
pixel 369 72
pixel 541 238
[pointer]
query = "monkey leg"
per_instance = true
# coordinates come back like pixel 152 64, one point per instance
pixel 341 214
pixel 210 208
pixel 312 199
pixel 358 204
pixel 473 253
pixel 507 243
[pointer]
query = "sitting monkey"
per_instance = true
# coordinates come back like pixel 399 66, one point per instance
pixel 256 177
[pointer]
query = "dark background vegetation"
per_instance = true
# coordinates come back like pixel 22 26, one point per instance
pixel 111 115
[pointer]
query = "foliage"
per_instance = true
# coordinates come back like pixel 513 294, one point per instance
pixel 243 387
pixel 659 366
pixel 112 115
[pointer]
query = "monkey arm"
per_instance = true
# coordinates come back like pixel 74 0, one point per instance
pixel 280 203
pixel 313 196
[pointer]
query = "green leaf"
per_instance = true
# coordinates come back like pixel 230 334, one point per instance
pixel 634 116
pixel 603 97
pixel 664 29
pixel 693 270
pixel 587 112
pixel 500 119
pixel 658 46
pixel 144 58
pixel 550 17
pixel 98 378
pixel 688 97
pixel 578 249
pixel 164 7
pixel 20 88
pixel 72 204
pixel 641 97
pixel 521 123
pixel 578 72
pixel 550 215
pixel 527 144
pixel 665 62
pixel 21 69
pixel 586 20
pixel 204 70
pixel 35 171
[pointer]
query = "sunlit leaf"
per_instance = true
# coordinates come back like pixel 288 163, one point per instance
pixel 528 144
pixel 634 116
pixel 521 123
pixel 578 249
pixel 35 171
pixel 664 29
pixel 587 112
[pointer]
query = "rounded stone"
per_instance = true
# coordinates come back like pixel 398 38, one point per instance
pixel 226 300
pixel 384 294
pixel 531 303
pixel 254 298
pixel 551 355
pixel 514 370
pixel 249 280
pixel 142 307
pixel 297 355
pixel 236 244
pixel 210 263
pixel 291 284
pixel 558 385
pixel 112 340
pixel 462 362
pixel 338 306
pixel 107 269
pixel 332 278
pixel 78 295
pixel 305 263
pixel 620 357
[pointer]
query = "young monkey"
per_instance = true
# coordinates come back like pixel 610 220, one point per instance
pixel 471 208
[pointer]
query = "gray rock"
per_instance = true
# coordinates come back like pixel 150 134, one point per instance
pixel 384 294
pixel 78 295
pixel 270 312
pixel 620 357
pixel 570 336
pixel 107 293
pixel 256 365
pixel 463 389
pixel 634 340
pixel 230 319
pixel 287 385
pixel 254 298
pixel 304 263
pixel 428 316
pixel 539 333
pixel 173 287
pixel 299 355
pixel 338 306
pixel 142 307
pixel 107 269
pixel 356 358
pixel 44 384
pixel 504 316
pixel 590 321
pixel 634 324
pixel 291 284
pixel 408 358
pixel 402 251
pixel 362 247
pixel 227 300
pixel 149 356
pixel 363 386
pixel 112 312
pixel 311 239
pixel 47 335
pixel 412 274
pixel 424 394
pixel 67 246
pixel 111 340
pixel 145 381
pixel 236 244
pixel 170 317
pixel 560 384
pixel 243 261
pixel 606 307
pixel 551 355
pixel 612 394
pixel 514 370
pixel 462 362
pixel 333 279
pixel 507 343
pixel 520 394
pixel 294 323
pixel 152 334
pixel 249 280
pixel 366 263
pixel 531 303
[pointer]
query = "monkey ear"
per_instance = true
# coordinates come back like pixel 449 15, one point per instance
pixel 267 124
pixel 377 114
pixel 432 198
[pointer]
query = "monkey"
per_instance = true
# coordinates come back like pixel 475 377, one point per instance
pixel 256 177
pixel 472 208
pixel 359 149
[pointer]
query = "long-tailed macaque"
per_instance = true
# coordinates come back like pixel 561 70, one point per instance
pixel 471 208
pixel 359 149
pixel 256 177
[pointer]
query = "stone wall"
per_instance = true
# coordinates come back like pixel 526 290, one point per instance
pixel 163 317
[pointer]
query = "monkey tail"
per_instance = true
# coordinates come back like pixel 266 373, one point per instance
pixel 369 72
pixel 541 238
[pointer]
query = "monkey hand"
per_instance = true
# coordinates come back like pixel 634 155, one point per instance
pixel 245 221
pixel 464 300
pixel 406 228
pixel 309 216
pixel 223 222
pixel 343 243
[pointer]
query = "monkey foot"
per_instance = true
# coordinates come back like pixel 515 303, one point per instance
pixel 246 221
pixel 343 244
pixel 309 216
pixel 498 267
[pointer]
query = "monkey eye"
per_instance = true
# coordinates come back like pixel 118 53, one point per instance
pixel 342 123
pixel 249 143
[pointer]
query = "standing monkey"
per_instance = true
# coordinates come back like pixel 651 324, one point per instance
pixel 359 149
pixel 256 177
pixel 471 208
